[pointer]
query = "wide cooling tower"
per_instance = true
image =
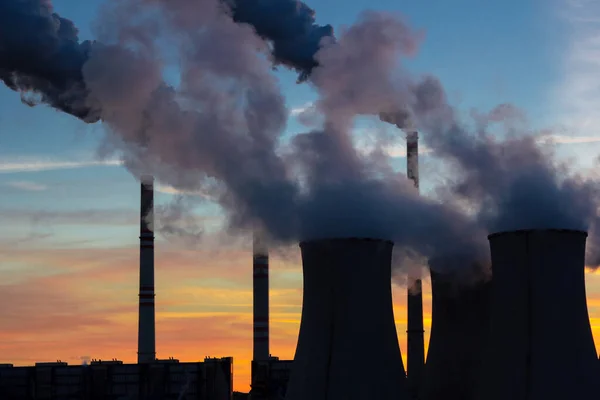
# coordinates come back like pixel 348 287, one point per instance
pixel 460 326
pixel 347 347
pixel 541 345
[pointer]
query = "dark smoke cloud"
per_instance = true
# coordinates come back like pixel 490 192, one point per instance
pixel 289 25
pixel 40 53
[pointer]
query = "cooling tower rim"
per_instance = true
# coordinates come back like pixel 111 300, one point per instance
pixel 342 239
pixel 528 231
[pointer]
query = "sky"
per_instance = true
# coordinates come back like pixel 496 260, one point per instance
pixel 69 220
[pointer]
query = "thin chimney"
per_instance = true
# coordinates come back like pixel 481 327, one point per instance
pixel 415 353
pixel 260 298
pixel 146 327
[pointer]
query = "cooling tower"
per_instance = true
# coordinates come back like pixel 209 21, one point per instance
pixel 415 349
pixel 260 293
pixel 541 344
pixel 146 332
pixel 347 345
pixel 459 333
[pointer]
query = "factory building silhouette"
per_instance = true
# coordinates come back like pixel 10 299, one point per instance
pixel 493 334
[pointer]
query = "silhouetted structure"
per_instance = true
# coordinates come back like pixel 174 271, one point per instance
pixel 146 321
pixel 271 379
pixel 541 344
pixel 260 295
pixel 104 380
pixel 347 316
pixel 460 326
pixel 415 347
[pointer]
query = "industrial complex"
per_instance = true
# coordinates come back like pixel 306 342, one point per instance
pixel 492 335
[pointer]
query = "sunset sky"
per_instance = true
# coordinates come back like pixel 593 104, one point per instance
pixel 69 221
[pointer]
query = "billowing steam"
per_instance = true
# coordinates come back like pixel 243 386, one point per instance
pixel 220 126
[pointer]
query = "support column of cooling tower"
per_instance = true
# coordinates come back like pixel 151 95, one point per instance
pixel 415 350
pixel 146 327
pixel 348 345
pixel 260 298
pixel 541 344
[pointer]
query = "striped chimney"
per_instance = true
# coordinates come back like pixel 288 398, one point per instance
pixel 260 298
pixel 415 351
pixel 146 327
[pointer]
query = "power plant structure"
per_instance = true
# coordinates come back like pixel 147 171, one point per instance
pixel 146 316
pixel 541 344
pixel 524 335
pixel 415 348
pixel 459 332
pixel 347 315
pixel 211 379
pixel 260 295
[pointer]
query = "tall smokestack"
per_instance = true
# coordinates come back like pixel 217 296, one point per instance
pixel 415 349
pixel 146 330
pixel 541 344
pixel 260 297
pixel 347 319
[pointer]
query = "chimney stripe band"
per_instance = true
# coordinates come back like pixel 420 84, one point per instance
pixel 258 269
pixel 261 319
pixel 261 339
pixel 261 329
pixel 146 295
pixel 261 325
pixel 147 288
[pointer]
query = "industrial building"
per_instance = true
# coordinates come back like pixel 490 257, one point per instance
pixel 541 344
pixel 347 316
pixel 104 380
pixel 270 378
pixel 460 315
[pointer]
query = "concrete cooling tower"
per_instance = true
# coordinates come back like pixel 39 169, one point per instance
pixel 541 345
pixel 347 347
pixel 460 317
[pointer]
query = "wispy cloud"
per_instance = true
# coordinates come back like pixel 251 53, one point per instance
pixel 296 111
pixel 564 139
pixel 27 186
pixel 111 217
pixel 578 95
pixel 10 165
pixel 167 189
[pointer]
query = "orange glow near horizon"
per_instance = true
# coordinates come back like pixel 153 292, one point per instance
pixel 75 303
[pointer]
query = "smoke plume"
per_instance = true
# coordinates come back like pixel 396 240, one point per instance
pixel 289 25
pixel 40 53
pixel 220 125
